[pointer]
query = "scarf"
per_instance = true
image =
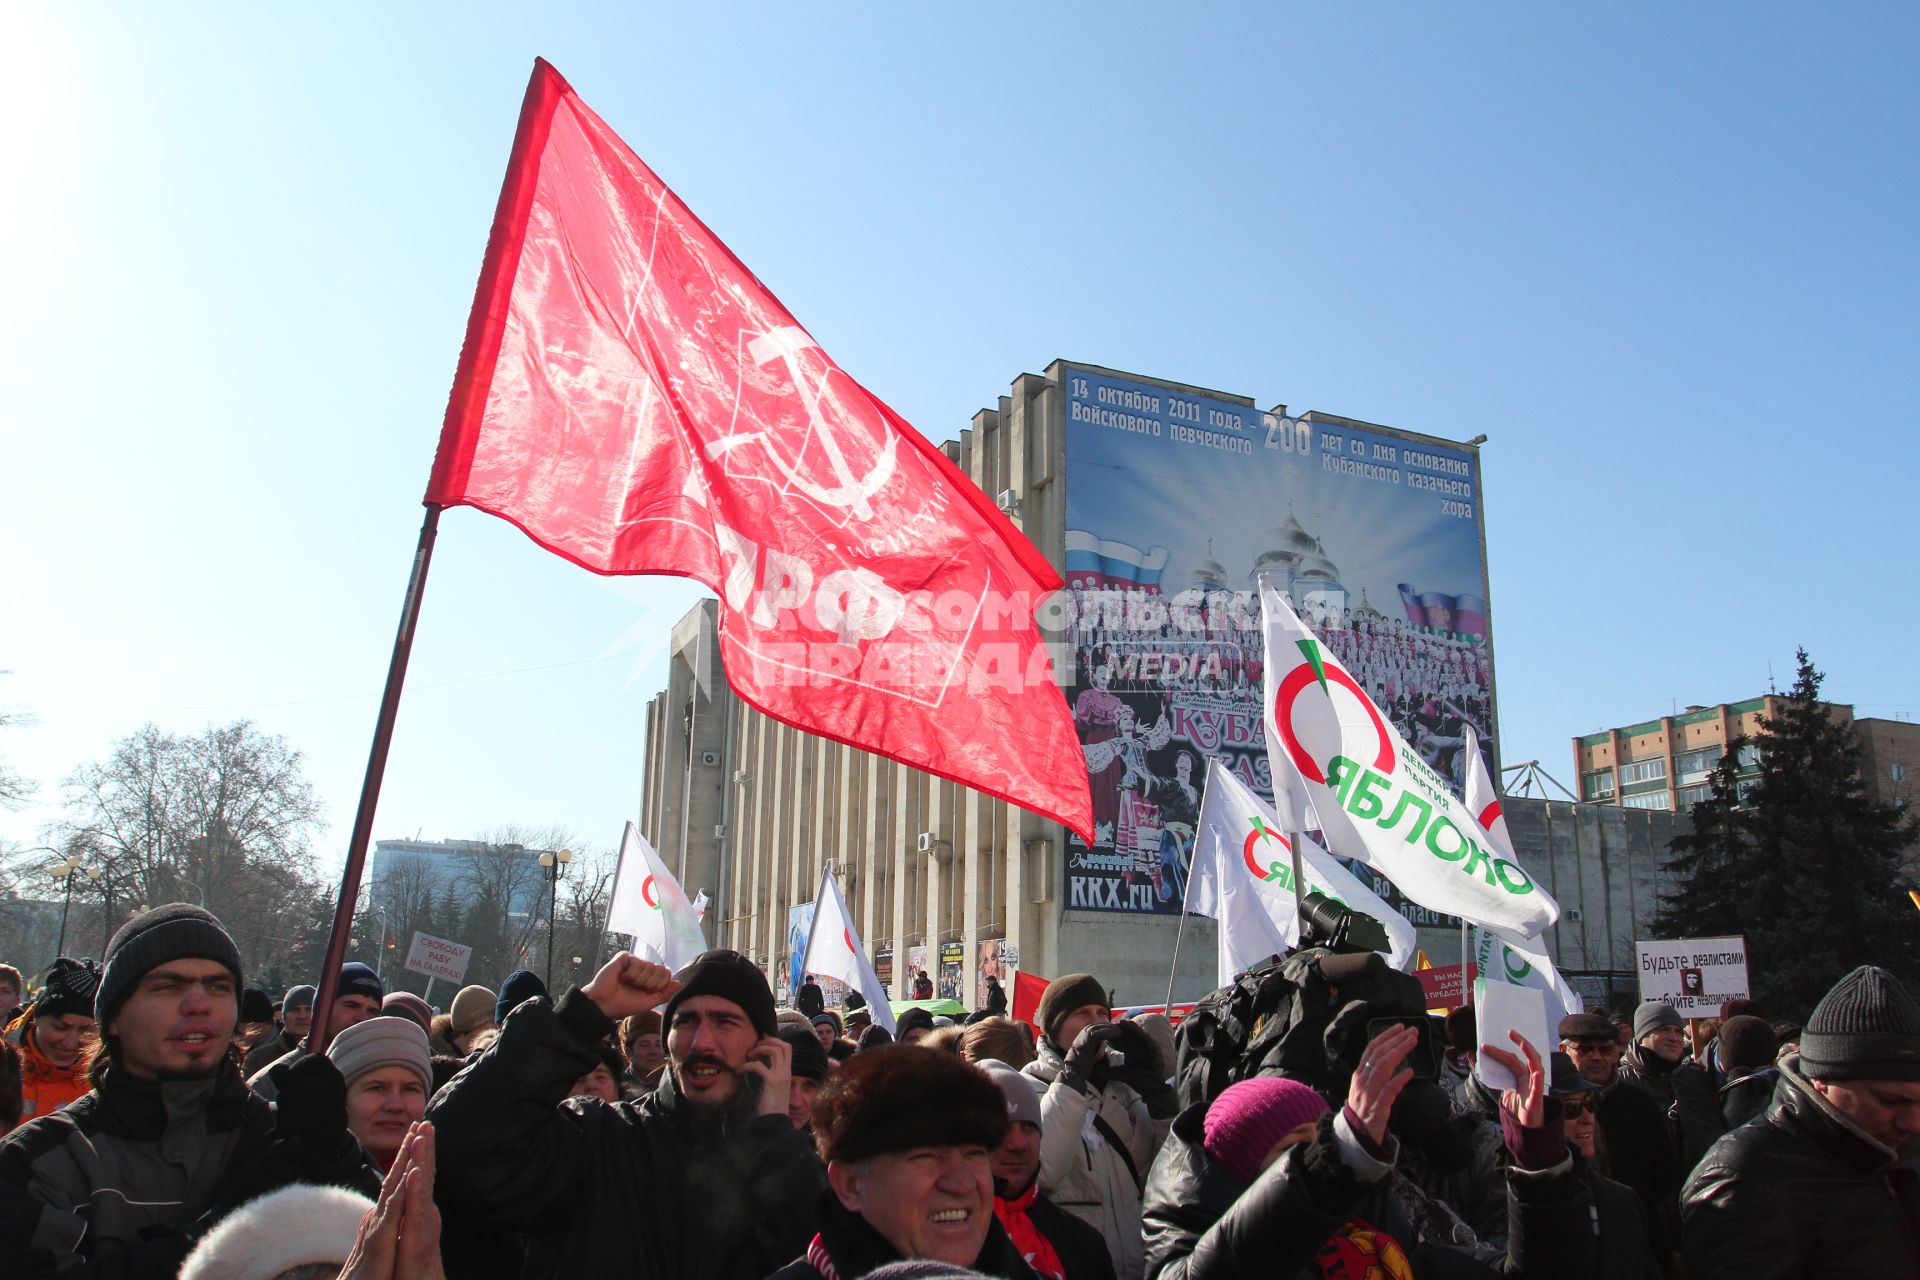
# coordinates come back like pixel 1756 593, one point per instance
pixel 1036 1249
pixel 1358 1250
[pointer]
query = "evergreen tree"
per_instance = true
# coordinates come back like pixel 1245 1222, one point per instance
pixel 1710 862
pixel 1808 868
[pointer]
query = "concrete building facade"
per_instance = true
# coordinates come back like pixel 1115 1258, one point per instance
pixel 944 878
pixel 1663 764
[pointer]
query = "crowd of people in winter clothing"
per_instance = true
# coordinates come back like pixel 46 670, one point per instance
pixel 161 1119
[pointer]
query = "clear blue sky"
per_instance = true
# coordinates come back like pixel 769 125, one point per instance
pixel 1664 257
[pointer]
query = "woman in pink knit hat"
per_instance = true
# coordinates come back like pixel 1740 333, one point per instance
pixel 1271 1179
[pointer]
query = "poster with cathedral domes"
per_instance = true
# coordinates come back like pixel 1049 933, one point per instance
pixel 1177 500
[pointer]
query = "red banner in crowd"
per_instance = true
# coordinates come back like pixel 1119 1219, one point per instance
pixel 1027 990
pixel 1443 987
pixel 635 400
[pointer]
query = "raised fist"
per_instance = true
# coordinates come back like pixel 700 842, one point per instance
pixel 628 985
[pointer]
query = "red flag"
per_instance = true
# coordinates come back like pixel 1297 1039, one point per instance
pixel 1027 990
pixel 635 400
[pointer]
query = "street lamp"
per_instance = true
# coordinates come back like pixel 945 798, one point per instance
pixel 553 866
pixel 64 871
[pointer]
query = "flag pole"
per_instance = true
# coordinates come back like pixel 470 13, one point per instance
pixel 370 787
pixel 1299 880
pixel 1180 932
pixel 1466 961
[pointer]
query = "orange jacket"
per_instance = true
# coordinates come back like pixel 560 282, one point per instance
pixel 44 1088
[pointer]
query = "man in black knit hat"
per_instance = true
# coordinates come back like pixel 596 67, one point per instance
pixel 703 1177
pixel 1823 1183
pixel 120 1182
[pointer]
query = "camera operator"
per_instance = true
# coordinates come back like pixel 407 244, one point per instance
pixel 1269 1180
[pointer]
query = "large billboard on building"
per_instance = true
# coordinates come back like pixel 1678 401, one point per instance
pixel 1177 499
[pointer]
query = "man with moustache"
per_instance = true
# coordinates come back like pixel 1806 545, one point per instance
pixel 703 1177
pixel 121 1181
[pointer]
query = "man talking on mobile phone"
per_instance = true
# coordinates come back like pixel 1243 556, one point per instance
pixel 703 1177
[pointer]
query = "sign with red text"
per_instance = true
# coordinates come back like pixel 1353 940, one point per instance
pixel 438 957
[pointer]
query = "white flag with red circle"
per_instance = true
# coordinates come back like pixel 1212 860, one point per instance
pixel 833 949
pixel 1243 878
pixel 1375 799
pixel 1505 959
pixel 649 905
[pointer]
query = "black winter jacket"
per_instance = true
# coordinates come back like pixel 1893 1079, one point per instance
pixel 1623 1245
pixel 1083 1251
pixel 125 1179
pixel 1802 1192
pixel 1745 1096
pixel 1203 1224
pixel 854 1248
pixel 1640 1156
pixel 655 1188
pixel 1685 1095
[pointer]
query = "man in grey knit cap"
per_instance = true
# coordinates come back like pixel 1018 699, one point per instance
pixel 1823 1183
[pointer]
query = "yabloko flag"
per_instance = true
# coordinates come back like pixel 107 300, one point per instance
pixel 1374 798
pixel 833 949
pixel 635 400
pixel 1243 878
pixel 649 905
pixel 1506 959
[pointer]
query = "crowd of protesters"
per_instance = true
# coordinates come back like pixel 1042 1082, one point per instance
pixel 162 1119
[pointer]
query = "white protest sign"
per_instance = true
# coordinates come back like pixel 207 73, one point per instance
pixel 1500 1007
pixel 438 957
pixel 1694 975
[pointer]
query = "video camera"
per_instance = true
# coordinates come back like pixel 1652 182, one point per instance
pixel 1327 922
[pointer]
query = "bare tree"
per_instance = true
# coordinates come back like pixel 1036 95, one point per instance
pixel 15 788
pixel 581 920
pixel 223 819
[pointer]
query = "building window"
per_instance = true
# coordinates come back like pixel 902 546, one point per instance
pixel 1749 756
pixel 1695 765
pixel 1596 785
pixel 1691 796
pixel 1643 771
pixel 1650 800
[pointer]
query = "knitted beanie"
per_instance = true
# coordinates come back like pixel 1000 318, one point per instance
pixel 1653 1015
pixel 176 931
pixel 357 979
pixel 71 987
pixel 296 1226
pixel 908 1020
pixel 730 976
pixel 385 1041
pixel 300 997
pixel 521 986
pixel 1866 1028
pixel 1023 1100
pixel 255 1006
pixel 1747 1042
pixel 809 1059
pixel 1062 996
pixel 1249 1117
pixel 472 1009
pixel 405 1004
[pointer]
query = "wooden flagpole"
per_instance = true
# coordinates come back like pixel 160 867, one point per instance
pixel 329 979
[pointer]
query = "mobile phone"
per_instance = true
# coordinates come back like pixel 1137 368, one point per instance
pixel 1425 1058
